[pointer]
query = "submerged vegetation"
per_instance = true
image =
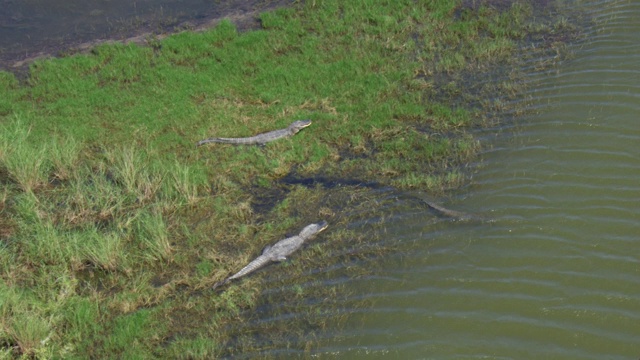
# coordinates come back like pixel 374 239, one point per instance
pixel 114 226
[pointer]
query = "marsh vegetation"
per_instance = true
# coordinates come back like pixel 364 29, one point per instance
pixel 114 226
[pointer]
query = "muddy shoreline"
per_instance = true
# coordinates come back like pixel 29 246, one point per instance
pixel 244 14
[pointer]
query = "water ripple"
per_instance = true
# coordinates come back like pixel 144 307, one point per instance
pixel 554 274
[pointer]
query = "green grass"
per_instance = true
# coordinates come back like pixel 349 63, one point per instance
pixel 111 218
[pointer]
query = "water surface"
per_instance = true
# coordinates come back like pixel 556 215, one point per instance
pixel 557 275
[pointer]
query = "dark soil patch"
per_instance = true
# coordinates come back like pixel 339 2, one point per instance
pixel 138 28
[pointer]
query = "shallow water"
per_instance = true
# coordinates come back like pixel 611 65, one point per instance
pixel 557 275
pixel 554 275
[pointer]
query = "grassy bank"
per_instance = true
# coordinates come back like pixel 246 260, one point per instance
pixel 113 225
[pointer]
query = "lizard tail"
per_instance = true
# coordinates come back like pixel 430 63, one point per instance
pixel 206 141
pixel 240 141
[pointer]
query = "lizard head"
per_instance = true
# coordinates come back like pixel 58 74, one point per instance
pixel 313 229
pixel 299 125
